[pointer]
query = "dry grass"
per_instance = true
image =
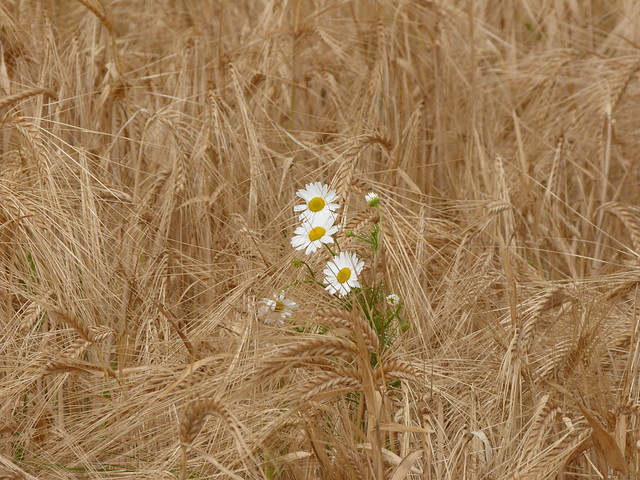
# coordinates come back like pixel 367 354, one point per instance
pixel 151 152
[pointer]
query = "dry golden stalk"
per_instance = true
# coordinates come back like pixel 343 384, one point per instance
pixel 628 407
pixel 345 319
pixel 630 218
pixel 320 347
pixel 196 415
pixel 158 183
pixel 363 219
pixel 545 413
pixel 77 348
pixel 396 368
pixel 179 176
pixel 341 182
pixel 555 458
pixel 194 419
pixel 531 316
pixel 627 77
pixel 16 97
pixel 74 322
pixel 329 385
pixel 31 315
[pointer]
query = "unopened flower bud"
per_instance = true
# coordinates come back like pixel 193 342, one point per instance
pixel 372 199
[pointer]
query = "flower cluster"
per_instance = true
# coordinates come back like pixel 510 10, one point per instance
pixel 318 226
pixel 318 216
pixel 317 229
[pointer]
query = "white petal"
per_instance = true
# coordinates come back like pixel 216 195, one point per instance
pixel 332 230
pixel 306 196
pixel 312 247
pixel 298 242
pixel 332 269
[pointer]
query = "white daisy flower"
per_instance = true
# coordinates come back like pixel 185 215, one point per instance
pixel 342 272
pixel 372 199
pixel 318 201
pixel 276 310
pixel 311 236
pixel 393 300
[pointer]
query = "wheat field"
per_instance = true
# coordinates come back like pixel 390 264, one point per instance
pixel 151 155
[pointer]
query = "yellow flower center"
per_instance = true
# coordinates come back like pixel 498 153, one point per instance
pixel 344 275
pixel 316 233
pixel 279 307
pixel 316 204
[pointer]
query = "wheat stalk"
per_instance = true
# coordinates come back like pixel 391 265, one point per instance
pixel 193 421
pixel 295 354
pixel 329 384
pixel 17 97
pixel 345 319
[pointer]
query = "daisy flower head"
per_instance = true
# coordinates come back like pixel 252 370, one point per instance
pixel 311 235
pixel 393 300
pixel 318 201
pixel 276 309
pixel 342 272
pixel 372 199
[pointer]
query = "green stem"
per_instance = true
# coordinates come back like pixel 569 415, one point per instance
pixel 329 248
pixel 335 239
pixel 311 272
pixel 377 243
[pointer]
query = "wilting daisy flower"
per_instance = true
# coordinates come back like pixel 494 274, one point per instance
pixel 276 310
pixel 342 272
pixel 311 235
pixel 393 300
pixel 372 199
pixel 318 201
